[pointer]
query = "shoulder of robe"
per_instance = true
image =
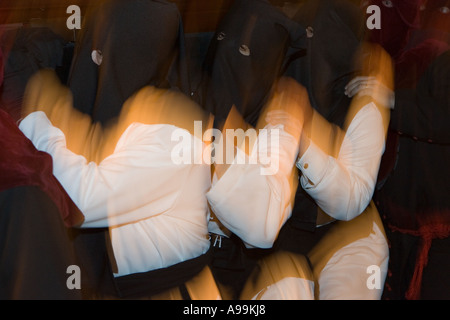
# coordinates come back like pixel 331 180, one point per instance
pixel 152 105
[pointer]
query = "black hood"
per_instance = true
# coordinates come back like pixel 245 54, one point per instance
pixel 140 42
pixel 329 62
pixel 245 57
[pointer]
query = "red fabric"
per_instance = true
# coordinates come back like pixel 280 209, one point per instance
pixel 437 230
pixel 412 64
pixel 397 22
pixel 436 16
pixel 431 224
pixel 2 67
pixel 21 164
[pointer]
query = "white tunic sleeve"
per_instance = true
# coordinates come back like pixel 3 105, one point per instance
pixel 116 191
pixel 344 186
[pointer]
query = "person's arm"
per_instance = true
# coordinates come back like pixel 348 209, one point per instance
pixel 343 186
pixel 253 198
pixel 116 190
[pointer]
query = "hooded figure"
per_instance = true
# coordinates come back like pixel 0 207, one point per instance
pixel 434 22
pixel 436 17
pixel 244 61
pixel 124 46
pixel 245 58
pixel 414 198
pixel 325 70
pixel 344 183
pixel 335 55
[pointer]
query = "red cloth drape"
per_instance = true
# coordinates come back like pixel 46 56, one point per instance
pixel 21 164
